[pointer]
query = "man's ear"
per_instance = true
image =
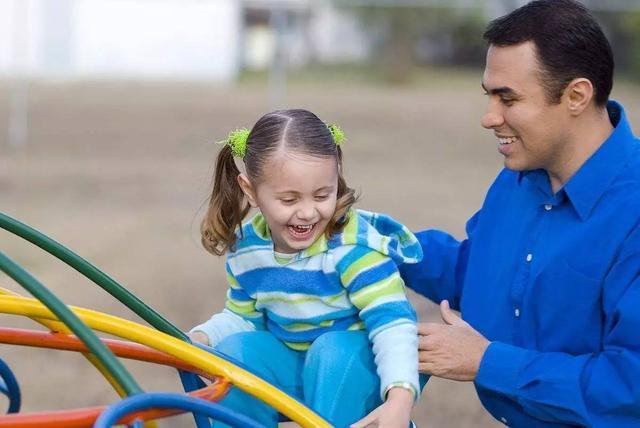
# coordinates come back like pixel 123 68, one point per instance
pixel 579 94
pixel 247 189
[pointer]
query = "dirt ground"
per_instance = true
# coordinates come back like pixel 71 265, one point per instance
pixel 118 172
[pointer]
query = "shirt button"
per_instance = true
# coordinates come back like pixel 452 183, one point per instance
pixel 503 420
pixel 517 312
pixel 548 207
pixel 529 257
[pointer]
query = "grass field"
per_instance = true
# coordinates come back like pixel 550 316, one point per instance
pixel 118 171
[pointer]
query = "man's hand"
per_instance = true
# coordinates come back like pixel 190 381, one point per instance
pixel 395 412
pixel 452 350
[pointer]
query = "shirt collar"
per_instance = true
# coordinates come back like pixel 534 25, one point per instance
pixel 591 180
pixel 588 184
pixel 319 246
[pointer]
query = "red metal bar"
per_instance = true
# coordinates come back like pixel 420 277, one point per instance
pixel 84 418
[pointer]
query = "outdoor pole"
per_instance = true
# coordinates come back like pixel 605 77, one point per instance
pixel 19 92
pixel 278 72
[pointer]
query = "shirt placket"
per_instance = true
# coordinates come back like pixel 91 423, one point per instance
pixel 527 261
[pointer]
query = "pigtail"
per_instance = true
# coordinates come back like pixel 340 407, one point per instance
pixel 227 206
pixel 346 197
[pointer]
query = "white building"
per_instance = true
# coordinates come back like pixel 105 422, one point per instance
pixel 129 38
pixel 180 39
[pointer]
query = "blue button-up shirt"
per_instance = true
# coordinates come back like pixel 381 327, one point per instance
pixel 553 281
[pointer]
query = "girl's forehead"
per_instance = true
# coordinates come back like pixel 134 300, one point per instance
pixel 286 157
pixel 290 170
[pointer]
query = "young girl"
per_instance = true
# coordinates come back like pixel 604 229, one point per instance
pixel 315 303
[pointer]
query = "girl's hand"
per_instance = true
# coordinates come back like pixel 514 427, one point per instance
pixel 198 336
pixel 395 412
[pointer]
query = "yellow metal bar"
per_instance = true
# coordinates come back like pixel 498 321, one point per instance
pixel 60 327
pixel 188 353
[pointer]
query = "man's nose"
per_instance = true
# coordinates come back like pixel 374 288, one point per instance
pixel 492 117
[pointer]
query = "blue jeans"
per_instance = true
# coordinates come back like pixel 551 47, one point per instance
pixel 336 377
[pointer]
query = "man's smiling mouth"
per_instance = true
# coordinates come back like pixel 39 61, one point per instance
pixel 506 140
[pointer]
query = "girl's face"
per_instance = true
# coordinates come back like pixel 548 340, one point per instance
pixel 297 195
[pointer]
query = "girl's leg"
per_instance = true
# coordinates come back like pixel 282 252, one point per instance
pixel 269 358
pixel 339 377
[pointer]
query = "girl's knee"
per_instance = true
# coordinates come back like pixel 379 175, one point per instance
pixel 339 346
pixel 238 344
pixel 342 340
pixel 340 368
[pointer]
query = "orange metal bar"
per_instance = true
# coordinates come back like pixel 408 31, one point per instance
pixel 84 418
pixel 64 342
pixel 61 327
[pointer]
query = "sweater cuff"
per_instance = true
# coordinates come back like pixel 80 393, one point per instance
pixel 405 385
pixel 500 368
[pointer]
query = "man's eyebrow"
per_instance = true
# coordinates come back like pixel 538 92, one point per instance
pixel 499 91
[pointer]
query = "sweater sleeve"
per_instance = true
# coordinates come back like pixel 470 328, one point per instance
pixel 375 287
pixel 240 314
pixel 241 303
pixel 223 324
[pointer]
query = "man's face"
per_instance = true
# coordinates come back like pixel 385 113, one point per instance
pixel 531 132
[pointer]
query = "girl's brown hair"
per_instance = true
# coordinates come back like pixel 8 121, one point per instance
pixel 297 130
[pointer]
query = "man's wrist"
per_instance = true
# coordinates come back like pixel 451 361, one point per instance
pixel 480 357
pixel 501 366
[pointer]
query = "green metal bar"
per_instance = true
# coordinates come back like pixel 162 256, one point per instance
pixel 64 314
pixel 93 273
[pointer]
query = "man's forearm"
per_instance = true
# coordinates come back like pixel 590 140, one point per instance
pixel 439 275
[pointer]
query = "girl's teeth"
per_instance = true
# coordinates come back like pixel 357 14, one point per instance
pixel 506 140
pixel 301 229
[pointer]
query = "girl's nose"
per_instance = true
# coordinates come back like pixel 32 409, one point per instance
pixel 306 212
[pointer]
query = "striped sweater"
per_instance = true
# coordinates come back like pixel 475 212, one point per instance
pixel 347 282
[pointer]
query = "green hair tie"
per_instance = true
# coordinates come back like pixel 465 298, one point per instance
pixel 337 133
pixel 237 142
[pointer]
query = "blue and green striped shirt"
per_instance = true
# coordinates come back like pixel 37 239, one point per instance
pixel 348 282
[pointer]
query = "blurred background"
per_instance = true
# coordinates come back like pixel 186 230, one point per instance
pixel 109 110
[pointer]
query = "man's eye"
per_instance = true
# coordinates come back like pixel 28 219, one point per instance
pixel 507 101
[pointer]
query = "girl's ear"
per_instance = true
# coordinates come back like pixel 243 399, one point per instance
pixel 248 190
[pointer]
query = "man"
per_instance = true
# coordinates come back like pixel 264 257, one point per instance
pixel 548 279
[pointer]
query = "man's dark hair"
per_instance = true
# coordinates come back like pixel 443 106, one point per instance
pixel 569 44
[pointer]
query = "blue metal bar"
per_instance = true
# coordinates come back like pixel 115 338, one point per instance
pixel 10 387
pixel 191 382
pixel 112 414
